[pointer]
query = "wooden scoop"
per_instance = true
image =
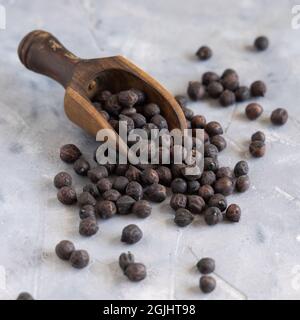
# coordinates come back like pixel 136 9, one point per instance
pixel 41 52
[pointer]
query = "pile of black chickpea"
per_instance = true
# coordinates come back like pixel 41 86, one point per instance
pixel 118 189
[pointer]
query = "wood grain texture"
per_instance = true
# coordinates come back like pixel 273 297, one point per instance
pixel 41 52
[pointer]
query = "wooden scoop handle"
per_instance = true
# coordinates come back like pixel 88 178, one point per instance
pixel 41 52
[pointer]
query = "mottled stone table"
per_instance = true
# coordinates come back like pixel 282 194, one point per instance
pixel 259 258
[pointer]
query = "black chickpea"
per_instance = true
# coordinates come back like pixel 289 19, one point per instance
pixel 241 168
pixel 178 201
pixel 62 179
pixel 224 186
pixel 195 204
pixel 279 117
pixel 258 89
pixel 179 185
pixel 196 90
pixel 207 284
pixel 214 128
pixel 67 195
pixel 219 201
pixel 257 149
pixel 151 110
pixel 188 113
pixel 258 136
pixel 206 265
pixel 204 53
pixel 124 205
pixel 128 98
pixel 142 209
pixel 183 218
pixel 225 172
pixel 156 193
pixel 159 121
pixel 106 209
pixel 209 77
pixel 104 185
pixel 111 195
pixel 139 120
pixel 182 100
pixel 64 249
pixel 133 174
pixel 193 187
pixel 141 96
pixel 213 216
pixel 228 72
pixel 261 43
pixel 215 89
pixel 112 105
pixel 131 234
pixel 208 178
pixel 227 98
pixel 164 175
pixel 233 213
pixel 149 176
pixel 253 111
pixel 219 141
pixel 125 260
pixel 206 192
pixel 242 94
pixel 97 173
pixel 211 151
pixel 79 259
pixel 136 272
pixel 129 112
pixel 135 190
pixel 211 164
pixel 88 227
pixel 230 82
pixel 81 167
pixel 242 183
pixel 85 198
pixel 120 184
pixel 198 122
pixel 25 296
pixel 87 211
pixel 69 153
